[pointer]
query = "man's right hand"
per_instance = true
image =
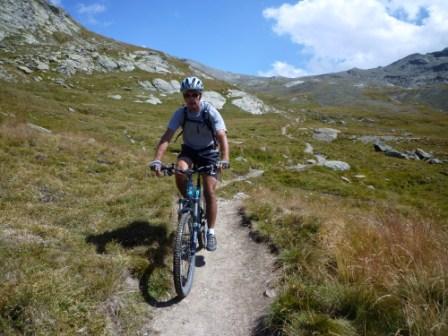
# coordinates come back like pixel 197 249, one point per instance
pixel 156 166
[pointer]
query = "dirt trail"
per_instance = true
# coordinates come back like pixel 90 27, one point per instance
pixel 228 291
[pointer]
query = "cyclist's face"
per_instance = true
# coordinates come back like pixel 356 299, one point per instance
pixel 193 99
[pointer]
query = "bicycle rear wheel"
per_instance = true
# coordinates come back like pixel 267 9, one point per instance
pixel 184 259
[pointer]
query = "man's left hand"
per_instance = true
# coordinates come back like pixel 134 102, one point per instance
pixel 224 164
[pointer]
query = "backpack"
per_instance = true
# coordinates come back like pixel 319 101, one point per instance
pixel 205 120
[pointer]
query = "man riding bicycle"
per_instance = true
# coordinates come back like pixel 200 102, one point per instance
pixel 204 143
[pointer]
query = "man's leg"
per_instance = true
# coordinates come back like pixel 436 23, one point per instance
pixel 181 180
pixel 211 206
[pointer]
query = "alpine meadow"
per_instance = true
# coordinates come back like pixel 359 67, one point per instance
pixel 342 176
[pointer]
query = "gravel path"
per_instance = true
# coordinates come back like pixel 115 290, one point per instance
pixel 228 291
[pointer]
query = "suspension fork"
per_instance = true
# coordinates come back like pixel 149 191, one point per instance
pixel 196 215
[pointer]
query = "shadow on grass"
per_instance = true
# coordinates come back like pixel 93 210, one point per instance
pixel 262 328
pixel 141 233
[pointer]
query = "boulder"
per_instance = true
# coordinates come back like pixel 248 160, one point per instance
pixel 214 98
pixel 125 65
pixel 368 139
pixel 107 63
pixel 422 154
pixel 435 161
pixel 337 165
pixel 298 167
pixel 165 87
pixel 39 128
pixel 175 84
pixel 68 67
pixel 345 179
pixel 412 155
pixel 320 159
pixel 389 151
pixel 308 149
pixel 153 100
pixel 248 102
pixel 5 75
pixel 147 85
pixel 153 63
pixel 75 63
pixel 325 134
pixel 25 69
pixel 42 66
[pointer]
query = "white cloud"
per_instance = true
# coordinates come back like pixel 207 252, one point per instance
pixel 56 2
pixel 337 35
pixel 90 11
pixel 283 69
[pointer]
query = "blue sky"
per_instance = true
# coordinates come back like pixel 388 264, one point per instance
pixel 273 37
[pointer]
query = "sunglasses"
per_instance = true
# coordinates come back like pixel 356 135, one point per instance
pixel 191 95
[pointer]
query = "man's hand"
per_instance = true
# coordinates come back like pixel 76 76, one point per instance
pixel 224 164
pixel 156 166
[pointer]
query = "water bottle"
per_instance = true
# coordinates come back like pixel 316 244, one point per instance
pixel 190 189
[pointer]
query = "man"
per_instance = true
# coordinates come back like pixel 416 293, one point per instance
pixel 204 143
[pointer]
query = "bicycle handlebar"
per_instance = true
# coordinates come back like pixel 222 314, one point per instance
pixel 172 169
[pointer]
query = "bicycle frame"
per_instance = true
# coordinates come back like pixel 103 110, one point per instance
pixel 192 203
pixel 190 219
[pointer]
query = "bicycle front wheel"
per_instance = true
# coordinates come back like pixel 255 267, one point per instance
pixel 184 259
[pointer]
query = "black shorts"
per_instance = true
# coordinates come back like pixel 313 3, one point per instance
pixel 203 157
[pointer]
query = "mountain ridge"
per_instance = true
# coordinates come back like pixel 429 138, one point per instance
pixel 39 22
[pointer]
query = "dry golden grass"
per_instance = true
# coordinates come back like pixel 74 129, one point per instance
pixel 376 271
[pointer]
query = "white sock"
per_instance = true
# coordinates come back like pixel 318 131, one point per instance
pixel 211 231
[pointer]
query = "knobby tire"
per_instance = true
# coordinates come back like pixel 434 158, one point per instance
pixel 184 261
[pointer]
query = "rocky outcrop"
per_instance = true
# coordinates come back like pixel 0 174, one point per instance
pixel 418 154
pixel 60 44
pixel 69 62
pixel 321 160
pixel 36 21
pixel 152 62
pixel 214 98
pixel 248 102
pixel 164 87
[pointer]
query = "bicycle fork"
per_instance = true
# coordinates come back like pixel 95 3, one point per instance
pixel 196 223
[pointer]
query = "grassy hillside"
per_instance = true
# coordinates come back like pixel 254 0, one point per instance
pixel 85 233
pixel 365 255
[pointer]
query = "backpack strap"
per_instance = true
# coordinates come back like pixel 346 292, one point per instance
pixel 208 122
pixel 183 124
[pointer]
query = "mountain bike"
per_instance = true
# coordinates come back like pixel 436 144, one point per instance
pixel 191 234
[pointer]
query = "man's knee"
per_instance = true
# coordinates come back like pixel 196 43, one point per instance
pixel 184 163
pixel 210 195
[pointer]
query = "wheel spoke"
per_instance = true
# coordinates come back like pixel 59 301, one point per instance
pixel 183 267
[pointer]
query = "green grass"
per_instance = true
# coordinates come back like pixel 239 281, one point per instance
pixel 359 258
pixel 86 235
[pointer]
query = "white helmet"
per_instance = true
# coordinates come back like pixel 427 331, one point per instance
pixel 191 83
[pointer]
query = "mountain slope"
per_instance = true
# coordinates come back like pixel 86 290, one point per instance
pixel 416 79
pixel 346 183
